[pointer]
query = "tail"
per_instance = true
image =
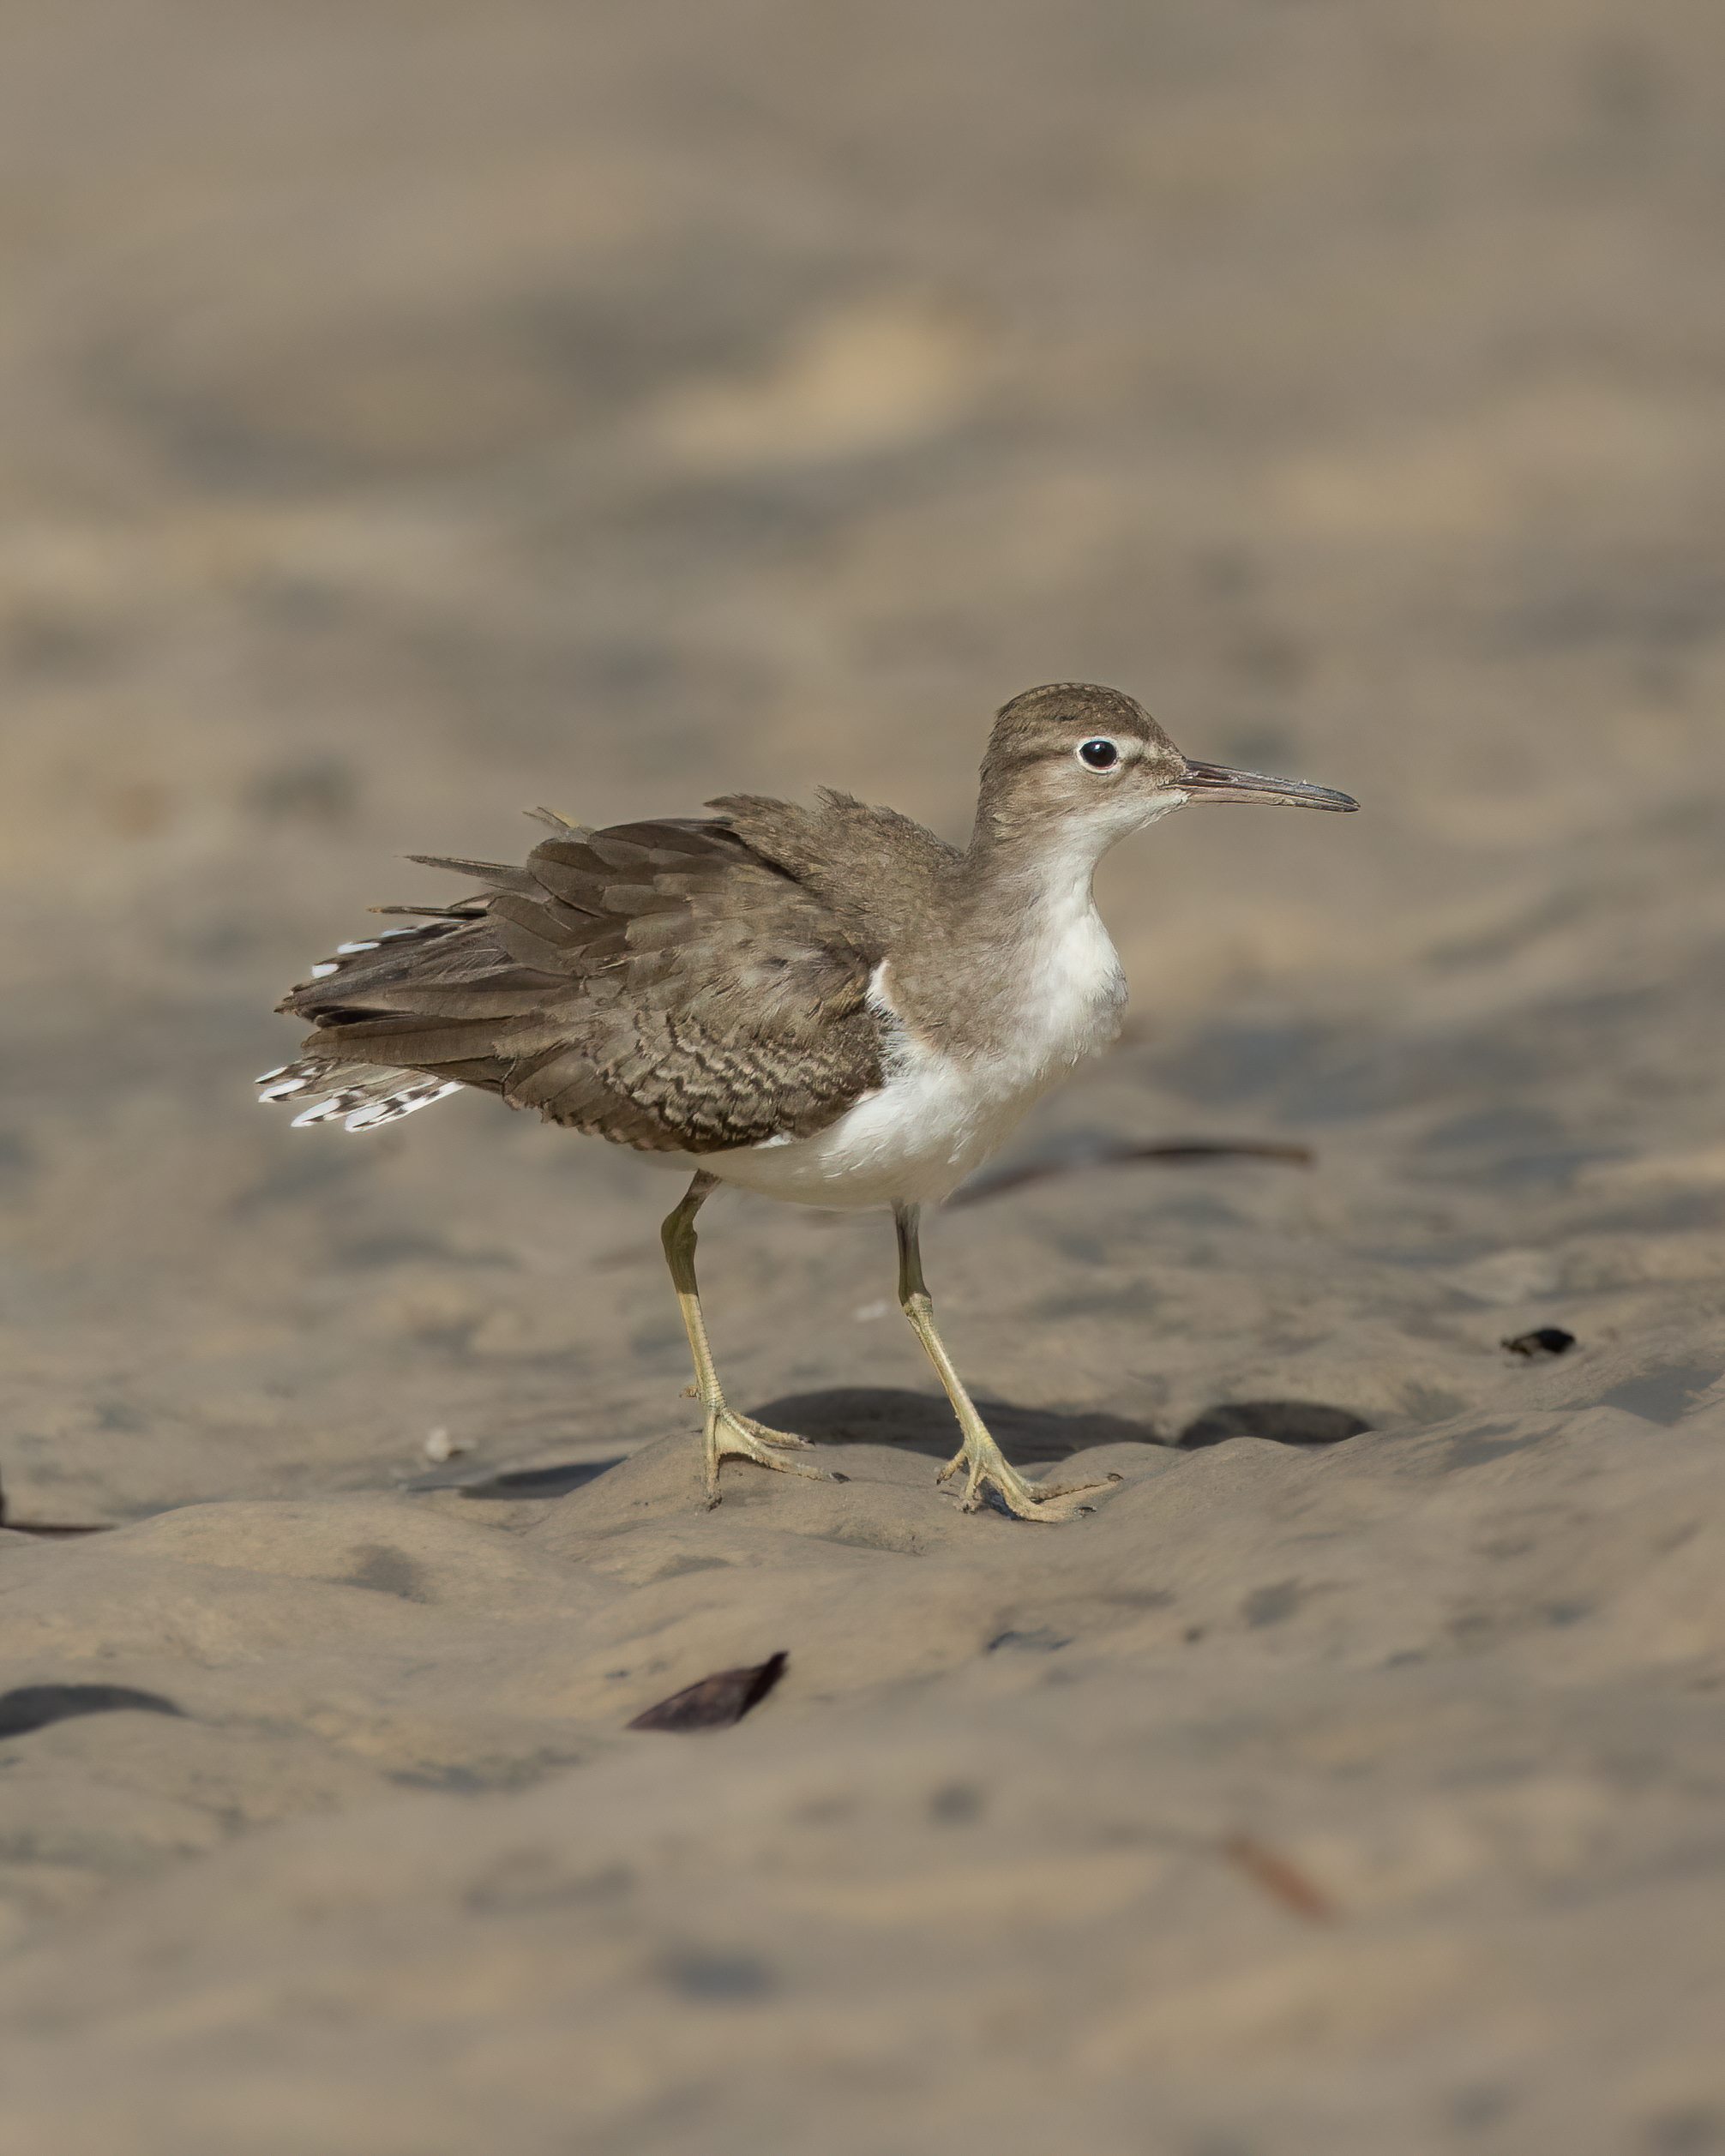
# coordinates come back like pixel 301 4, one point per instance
pixel 363 1095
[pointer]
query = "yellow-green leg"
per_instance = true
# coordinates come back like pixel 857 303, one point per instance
pixel 978 1453
pixel 725 1432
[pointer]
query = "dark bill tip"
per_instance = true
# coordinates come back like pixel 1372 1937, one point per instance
pixel 1215 782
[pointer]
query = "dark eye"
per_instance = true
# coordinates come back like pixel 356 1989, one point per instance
pixel 1100 755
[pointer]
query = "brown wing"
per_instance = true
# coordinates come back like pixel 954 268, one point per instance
pixel 658 983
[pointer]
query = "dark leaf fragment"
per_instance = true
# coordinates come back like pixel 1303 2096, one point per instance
pixel 35 1706
pixel 716 1701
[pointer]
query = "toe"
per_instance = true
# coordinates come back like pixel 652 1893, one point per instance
pixel 786 1440
pixel 734 1437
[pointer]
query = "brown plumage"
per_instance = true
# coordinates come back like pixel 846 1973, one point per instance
pixel 674 985
pixel 828 1005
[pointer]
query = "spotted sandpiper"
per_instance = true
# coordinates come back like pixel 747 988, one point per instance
pixel 827 1005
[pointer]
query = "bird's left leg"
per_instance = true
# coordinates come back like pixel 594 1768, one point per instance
pixel 725 1431
pixel 979 1453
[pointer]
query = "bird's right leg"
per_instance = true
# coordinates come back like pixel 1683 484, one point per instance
pixel 725 1432
pixel 979 1456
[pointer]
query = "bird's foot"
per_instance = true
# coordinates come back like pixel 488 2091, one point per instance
pixel 1027 1500
pixel 731 1434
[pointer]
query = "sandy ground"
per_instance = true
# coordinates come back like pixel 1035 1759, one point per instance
pixel 408 414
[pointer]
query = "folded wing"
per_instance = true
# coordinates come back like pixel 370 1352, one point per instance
pixel 663 984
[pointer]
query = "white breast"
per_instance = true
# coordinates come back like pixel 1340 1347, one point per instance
pixel 940 1115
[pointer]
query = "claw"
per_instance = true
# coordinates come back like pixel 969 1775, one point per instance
pixel 1025 1500
pixel 728 1433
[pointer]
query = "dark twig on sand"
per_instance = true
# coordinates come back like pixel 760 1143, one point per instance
pixel 1108 1153
pixel 1283 1881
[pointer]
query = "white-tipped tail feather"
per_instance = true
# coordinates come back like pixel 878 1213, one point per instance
pixel 364 1096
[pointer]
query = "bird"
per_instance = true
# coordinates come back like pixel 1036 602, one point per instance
pixel 827 1005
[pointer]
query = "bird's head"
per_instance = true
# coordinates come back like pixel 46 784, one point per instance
pixel 1091 758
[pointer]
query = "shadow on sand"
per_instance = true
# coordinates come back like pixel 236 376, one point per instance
pixel 924 1423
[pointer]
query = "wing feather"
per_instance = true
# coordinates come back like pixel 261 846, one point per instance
pixel 663 983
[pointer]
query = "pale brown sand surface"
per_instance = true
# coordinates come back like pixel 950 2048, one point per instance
pixel 408 413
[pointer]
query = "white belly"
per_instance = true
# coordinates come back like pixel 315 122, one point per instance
pixel 939 1116
pixel 917 1139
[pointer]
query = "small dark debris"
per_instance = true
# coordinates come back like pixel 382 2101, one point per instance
pixel 716 1701
pixel 35 1706
pixel 1546 1339
pixel 955 1804
pixel 841 1478
pixel 1040 1641
pixel 1283 1881
pixel 1280 1421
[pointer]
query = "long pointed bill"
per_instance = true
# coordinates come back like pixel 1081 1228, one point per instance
pixel 1215 782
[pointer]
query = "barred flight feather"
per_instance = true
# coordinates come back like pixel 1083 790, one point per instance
pixel 362 1097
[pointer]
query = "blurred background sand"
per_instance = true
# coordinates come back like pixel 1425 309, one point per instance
pixel 413 414
pixel 409 413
